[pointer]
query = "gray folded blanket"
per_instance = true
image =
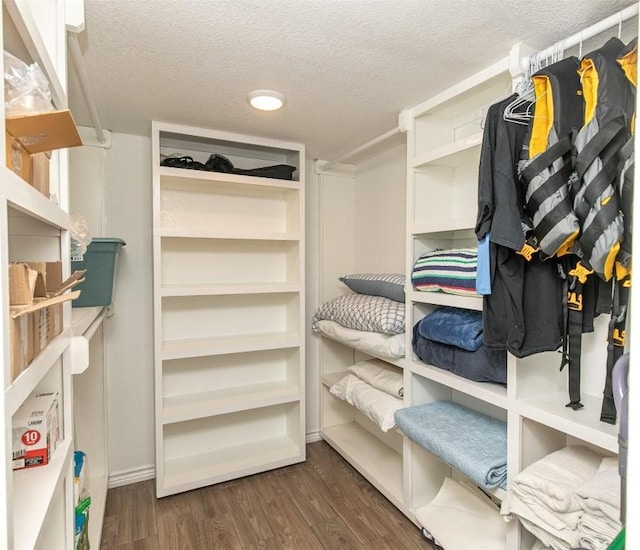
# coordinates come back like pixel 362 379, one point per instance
pixel 473 443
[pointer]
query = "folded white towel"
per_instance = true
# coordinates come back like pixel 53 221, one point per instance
pixel 459 519
pixel 548 486
pixel 600 495
pixel 379 406
pixel 553 534
pixel 596 533
pixel 380 375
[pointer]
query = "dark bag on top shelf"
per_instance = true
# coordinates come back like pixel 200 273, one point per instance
pixel 220 163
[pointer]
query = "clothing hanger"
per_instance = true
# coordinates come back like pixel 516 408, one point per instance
pixel 513 112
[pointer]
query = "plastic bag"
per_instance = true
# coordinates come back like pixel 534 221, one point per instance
pixel 80 237
pixel 26 89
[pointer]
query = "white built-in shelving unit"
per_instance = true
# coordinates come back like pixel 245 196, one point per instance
pixel 90 408
pixel 228 310
pixel 36 506
pixel 444 137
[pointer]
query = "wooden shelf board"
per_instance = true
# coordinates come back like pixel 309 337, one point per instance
pixel 179 349
pixel 202 233
pixel 583 424
pixel 25 198
pixel 29 378
pixel 180 177
pixel 375 460
pixel 451 154
pixel 33 491
pixel 227 289
pixel 328 379
pixel 83 317
pixel 98 489
pixel 193 471
pixel 485 391
pixel 444 299
pixel 431 227
pixel 199 405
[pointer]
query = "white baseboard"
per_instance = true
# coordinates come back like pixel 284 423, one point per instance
pixel 144 473
pixel 127 477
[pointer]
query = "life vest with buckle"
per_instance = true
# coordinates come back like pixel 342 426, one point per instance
pixel 578 199
pixel 558 112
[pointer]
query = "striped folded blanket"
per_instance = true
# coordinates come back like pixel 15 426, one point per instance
pixel 452 271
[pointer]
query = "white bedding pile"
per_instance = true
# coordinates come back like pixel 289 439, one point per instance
pixel 387 346
pixel 568 499
pixel 373 388
pixel 454 506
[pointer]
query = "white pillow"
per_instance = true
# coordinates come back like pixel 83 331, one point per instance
pixel 363 312
pixel 386 346
pixel 377 405
pixel 380 375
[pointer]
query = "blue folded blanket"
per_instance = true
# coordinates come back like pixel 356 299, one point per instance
pixel 482 365
pixel 472 442
pixel 453 326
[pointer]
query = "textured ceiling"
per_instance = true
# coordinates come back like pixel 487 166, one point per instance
pixel 346 67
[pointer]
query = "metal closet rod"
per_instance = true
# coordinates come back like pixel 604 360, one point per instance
pixel 594 30
pixel 364 147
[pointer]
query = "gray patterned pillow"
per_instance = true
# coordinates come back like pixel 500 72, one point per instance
pixel 363 312
pixel 389 285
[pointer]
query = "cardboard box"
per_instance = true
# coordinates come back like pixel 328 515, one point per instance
pixel 41 132
pixel 19 355
pixel 49 277
pixel 31 329
pixel 30 140
pixel 40 172
pixel 32 168
pixel 18 159
pixel 22 284
pixel 35 431
pixel 29 280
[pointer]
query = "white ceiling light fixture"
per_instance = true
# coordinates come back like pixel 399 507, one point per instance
pixel 266 100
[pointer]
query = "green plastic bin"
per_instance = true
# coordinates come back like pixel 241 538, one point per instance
pixel 100 260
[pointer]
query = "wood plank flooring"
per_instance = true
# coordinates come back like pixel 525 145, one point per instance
pixel 322 503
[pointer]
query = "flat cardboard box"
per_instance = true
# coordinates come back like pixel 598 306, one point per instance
pixel 42 132
pixel 30 140
pixel 49 277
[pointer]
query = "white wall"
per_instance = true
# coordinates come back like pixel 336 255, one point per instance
pixel 129 339
pixel 380 212
pixel 111 188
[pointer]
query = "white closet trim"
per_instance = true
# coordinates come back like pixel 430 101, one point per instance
pixel 384 137
pixel 83 80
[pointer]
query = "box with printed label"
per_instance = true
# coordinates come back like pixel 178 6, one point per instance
pixel 35 431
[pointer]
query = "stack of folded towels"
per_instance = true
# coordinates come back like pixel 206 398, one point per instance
pixel 373 387
pixel 569 499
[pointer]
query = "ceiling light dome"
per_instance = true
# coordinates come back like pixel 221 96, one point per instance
pixel 266 100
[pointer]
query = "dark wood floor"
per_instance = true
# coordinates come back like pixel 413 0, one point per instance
pixel 322 503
